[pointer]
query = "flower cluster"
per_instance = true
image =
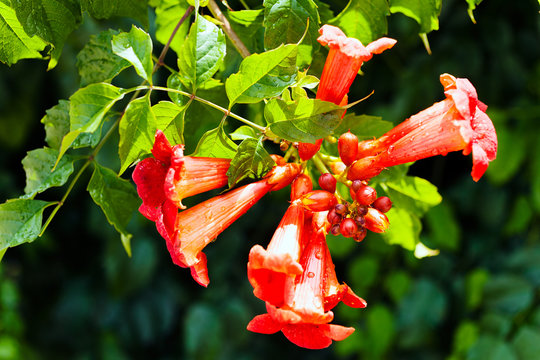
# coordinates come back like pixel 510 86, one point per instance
pixel 295 275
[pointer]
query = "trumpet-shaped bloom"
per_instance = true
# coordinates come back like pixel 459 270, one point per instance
pixel 457 123
pixel 269 269
pixel 345 57
pixel 197 226
pixel 305 315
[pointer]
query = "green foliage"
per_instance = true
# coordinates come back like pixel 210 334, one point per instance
pixel 215 143
pixel 425 12
pixel 263 75
pixel 135 47
pixel 170 120
pixel 38 166
pixel 251 160
pixel 364 20
pixel 103 9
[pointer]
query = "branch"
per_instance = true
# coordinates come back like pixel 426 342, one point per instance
pixel 238 44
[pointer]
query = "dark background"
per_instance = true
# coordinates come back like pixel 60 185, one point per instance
pixel 74 293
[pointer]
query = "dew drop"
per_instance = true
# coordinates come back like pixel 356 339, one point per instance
pixel 318 255
pixel 310 274
pixel 317 302
pixel 390 149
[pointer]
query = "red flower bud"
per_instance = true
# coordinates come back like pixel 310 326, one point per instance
pixel 319 200
pixel 307 150
pixel 376 221
pixel 348 147
pixel 348 227
pixel 328 182
pixel 360 235
pixel 366 195
pixel 383 204
pixel 333 217
pixel 301 186
pixel 281 176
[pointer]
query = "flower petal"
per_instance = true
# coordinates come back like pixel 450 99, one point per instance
pixel 264 324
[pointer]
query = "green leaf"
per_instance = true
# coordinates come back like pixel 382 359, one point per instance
pixel 244 132
pixel 116 197
pixel 526 343
pixel 425 12
pixel 285 22
pixel 20 221
pixel 381 330
pixel 508 294
pixel 488 347
pixel 474 285
pixel 87 109
pixel 246 17
pixel 202 53
pixel 465 337
pixel 251 160
pixel 511 153
pixel 51 20
pixel 397 284
pixel 263 75
pixel 56 123
pixel 364 20
pixel 137 129
pixel 363 126
pixel 136 47
pixel 15 44
pixel 424 193
pixel 444 229
pixel 38 166
pixel 306 120
pixel 105 9
pixel 404 229
pixel 170 120
pixel 168 13
pixel 215 143
pixel 520 216
pixel 472 7
pixel 368 266
pixel 97 62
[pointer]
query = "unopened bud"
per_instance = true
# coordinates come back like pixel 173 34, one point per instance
pixel 328 182
pixel 301 186
pixel 319 200
pixel 348 227
pixel 376 221
pixel 383 204
pixel 366 195
pixel 348 147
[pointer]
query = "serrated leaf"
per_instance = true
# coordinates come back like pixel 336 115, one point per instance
pixel 363 126
pixel 38 166
pixel 116 197
pixel 202 53
pixel 97 62
pixel 136 47
pixel 285 22
pixel 168 13
pixel 15 44
pixel 263 75
pixel 20 221
pixel 364 20
pixel 87 109
pixel 251 160
pixel 425 12
pixel 306 120
pixel 51 20
pixel 215 143
pixel 170 120
pixel 56 123
pixel 404 228
pixel 105 9
pixel 137 129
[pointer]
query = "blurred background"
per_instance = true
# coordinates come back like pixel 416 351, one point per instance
pixel 75 294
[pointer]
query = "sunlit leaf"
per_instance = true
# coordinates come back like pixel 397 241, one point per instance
pixel 215 143
pixel 38 166
pixel 363 126
pixel 364 20
pixel 170 120
pixel 168 13
pixel 425 12
pixel 136 47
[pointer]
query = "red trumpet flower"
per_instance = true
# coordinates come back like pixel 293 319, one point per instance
pixel 457 123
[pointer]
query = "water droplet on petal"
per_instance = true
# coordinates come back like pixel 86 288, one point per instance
pixel 318 255
pixel 310 274
pixel 390 149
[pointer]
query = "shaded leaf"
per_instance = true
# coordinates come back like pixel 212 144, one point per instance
pixel 116 197
pixel 381 330
pixel 364 20
pixel 488 347
pixel 404 228
pixel 526 343
pixel 251 160
pixel 170 120
pixel 263 75
pixel 97 62
pixel 105 9
pixel 136 47
pixel 215 143
pixel 285 22
pixel 363 126
pixel 465 337
pixel 38 165
pixel 425 12
pixel 137 129
pixel 202 53
pixel 444 229
pixel 508 294
pixel 306 120
pixel 15 44
pixel 51 20
pixel 244 132
pixel 474 285
pixel 397 284
pixel 20 221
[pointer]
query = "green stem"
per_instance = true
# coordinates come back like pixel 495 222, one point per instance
pixel 244 4
pixel 211 104
pixel 159 62
pixel 319 164
pixel 238 44
pixel 289 152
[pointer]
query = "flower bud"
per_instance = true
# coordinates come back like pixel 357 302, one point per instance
pixel 328 182
pixel 383 204
pixel 281 176
pixel 348 147
pixel 360 235
pixel 341 209
pixel 366 195
pixel 348 227
pixel 319 200
pixel 376 221
pixel 333 217
pixel 301 186
pixel 307 150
